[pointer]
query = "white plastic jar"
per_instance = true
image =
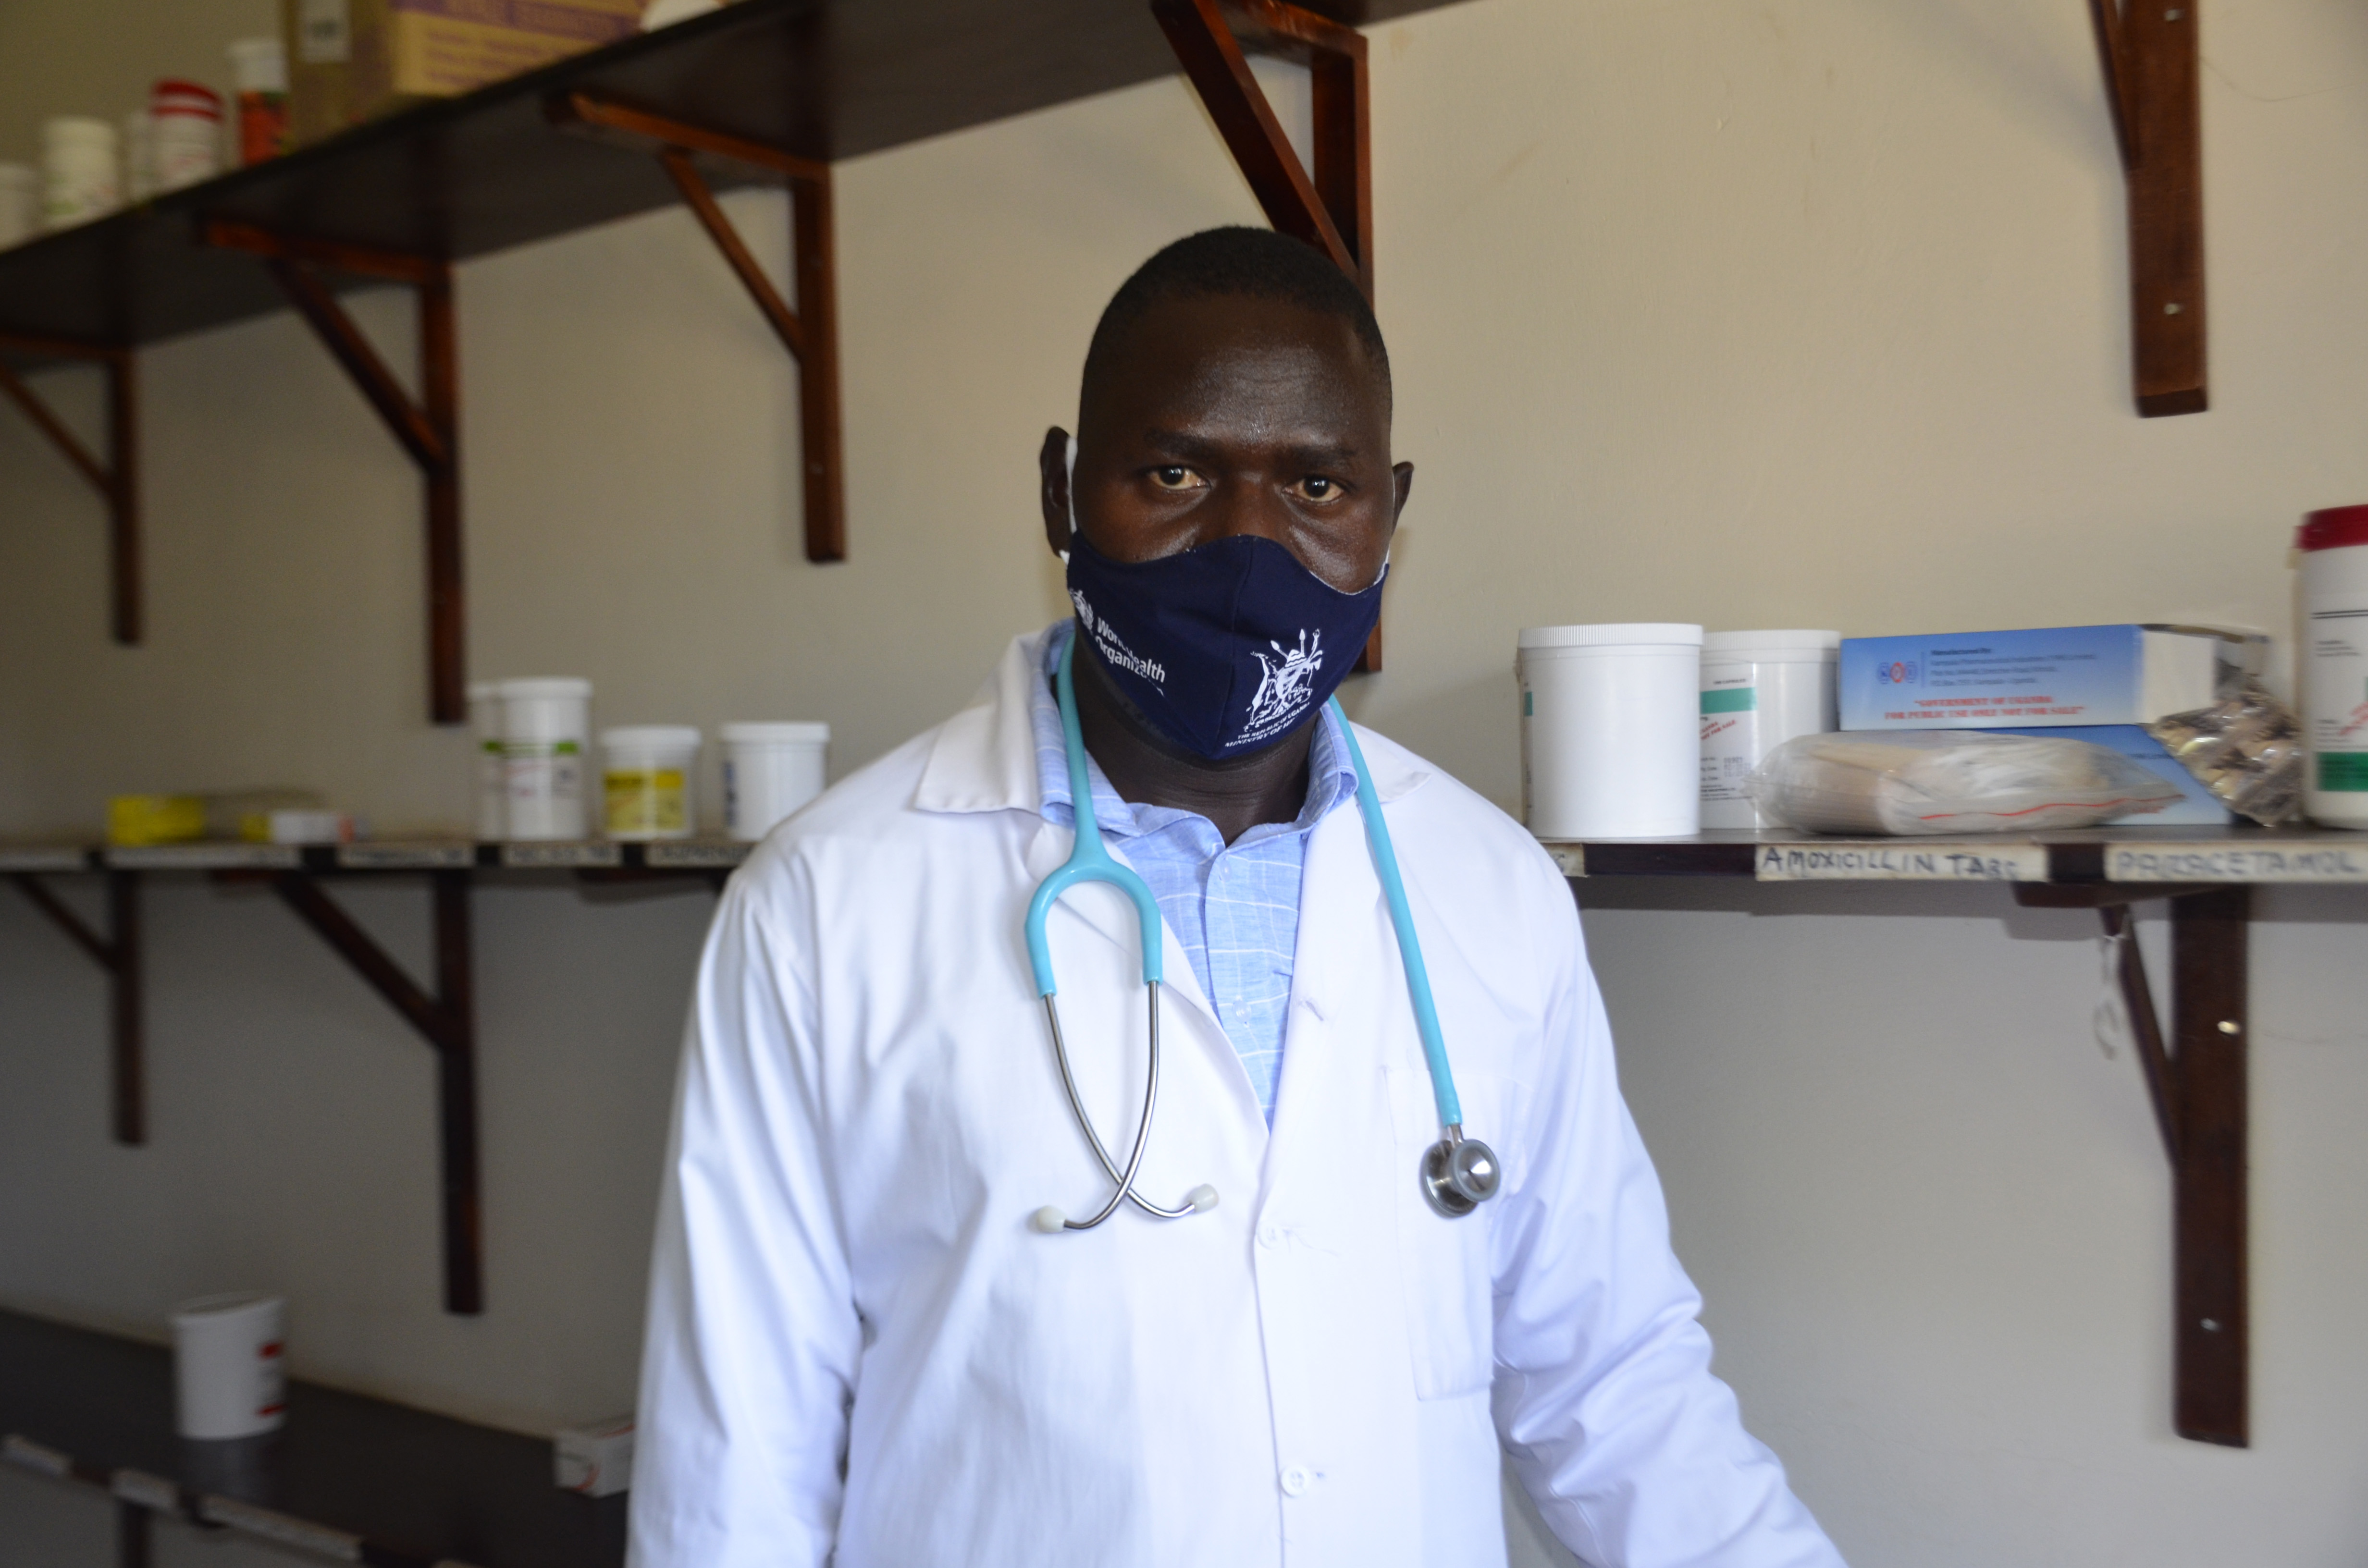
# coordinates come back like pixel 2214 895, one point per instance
pixel 1758 690
pixel 80 176
pixel 546 730
pixel 228 1361
pixel 20 204
pixel 2334 664
pixel 770 770
pixel 187 135
pixel 649 780
pixel 486 742
pixel 1610 745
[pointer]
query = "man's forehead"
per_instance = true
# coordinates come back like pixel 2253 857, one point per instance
pixel 1189 350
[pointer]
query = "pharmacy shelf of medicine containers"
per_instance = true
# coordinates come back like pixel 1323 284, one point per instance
pixel 467 177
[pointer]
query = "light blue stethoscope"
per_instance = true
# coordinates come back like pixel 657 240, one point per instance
pixel 1458 1174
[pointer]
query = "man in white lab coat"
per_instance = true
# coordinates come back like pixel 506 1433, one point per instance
pixel 868 1344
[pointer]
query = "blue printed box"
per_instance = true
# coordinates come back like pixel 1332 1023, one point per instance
pixel 2042 678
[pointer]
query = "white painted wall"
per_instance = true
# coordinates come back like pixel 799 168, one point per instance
pixel 1794 312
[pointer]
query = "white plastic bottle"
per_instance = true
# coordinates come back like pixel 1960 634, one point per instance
pixel 546 730
pixel 1610 732
pixel 187 135
pixel 649 780
pixel 2333 664
pixel 81 178
pixel 770 770
pixel 1758 690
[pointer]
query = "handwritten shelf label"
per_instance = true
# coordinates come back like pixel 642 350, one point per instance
pixel 207 857
pixel 544 857
pixel 302 1534
pixel 1904 861
pixel 1568 858
pixel 717 856
pixel 406 856
pixel 37 1457
pixel 2310 861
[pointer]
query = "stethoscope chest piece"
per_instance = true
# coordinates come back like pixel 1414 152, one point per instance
pixel 1459 1174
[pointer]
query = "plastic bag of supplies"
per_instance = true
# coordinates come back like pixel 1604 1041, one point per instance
pixel 1950 781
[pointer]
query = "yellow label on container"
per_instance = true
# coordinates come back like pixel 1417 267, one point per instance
pixel 135 822
pixel 645 803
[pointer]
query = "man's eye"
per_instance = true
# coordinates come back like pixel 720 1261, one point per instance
pixel 1315 487
pixel 1175 476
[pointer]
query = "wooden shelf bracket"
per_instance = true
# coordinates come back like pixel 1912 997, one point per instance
pixel 428 429
pixel 2197 1083
pixel 1330 208
pixel 2151 59
pixel 117 953
pixel 446 1018
pixel 809 330
pixel 117 479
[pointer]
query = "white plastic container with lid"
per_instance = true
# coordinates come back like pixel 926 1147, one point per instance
pixel 770 770
pixel 546 730
pixel 650 780
pixel 80 176
pixel 1758 690
pixel 229 1360
pixel 485 739
pixel 2334 664
pixel 187 138
pixel 1611 742
pixel 20 204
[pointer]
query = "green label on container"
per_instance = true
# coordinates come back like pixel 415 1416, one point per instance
pixel 2344 770
pixel 1528 705
pixel 1733 700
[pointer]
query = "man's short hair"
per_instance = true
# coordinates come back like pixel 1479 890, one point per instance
pixel 1258 264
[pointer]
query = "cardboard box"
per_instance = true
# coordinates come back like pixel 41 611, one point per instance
pixel 2044 678
pixel 353 60
pixel 2197 807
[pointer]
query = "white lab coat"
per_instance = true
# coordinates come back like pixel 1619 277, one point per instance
pixel 857 1344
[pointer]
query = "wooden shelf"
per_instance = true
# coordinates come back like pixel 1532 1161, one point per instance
pixel 375 1482
pixel 823 79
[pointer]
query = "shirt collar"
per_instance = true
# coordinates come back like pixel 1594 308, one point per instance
pixel 1331 776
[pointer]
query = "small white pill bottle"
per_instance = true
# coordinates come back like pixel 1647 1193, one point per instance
pixel 2333 664
pixel 1758 690
pixel 546 730
pixel 81 177
pixel 649 780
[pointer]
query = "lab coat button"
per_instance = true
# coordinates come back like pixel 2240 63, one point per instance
pixel 1295 1481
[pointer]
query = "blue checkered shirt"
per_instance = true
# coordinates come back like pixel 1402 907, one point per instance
pixel 1233 907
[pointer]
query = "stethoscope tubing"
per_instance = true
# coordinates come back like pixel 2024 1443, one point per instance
pixel 1385 867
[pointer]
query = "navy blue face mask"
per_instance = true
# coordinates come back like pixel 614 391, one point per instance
pixel 1222 649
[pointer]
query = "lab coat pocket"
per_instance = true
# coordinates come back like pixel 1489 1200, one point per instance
pixel 1443 1263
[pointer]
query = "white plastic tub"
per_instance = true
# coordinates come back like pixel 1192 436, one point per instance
pixel 546 729
pixel 228 1364
pixel 81 177
pixel 1758 690
pixel 1611 731
pixel 649 780
pixel 2333 661
pixel 770 770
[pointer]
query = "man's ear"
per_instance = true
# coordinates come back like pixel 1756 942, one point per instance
pixel 1402 477
pixel 1052 488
